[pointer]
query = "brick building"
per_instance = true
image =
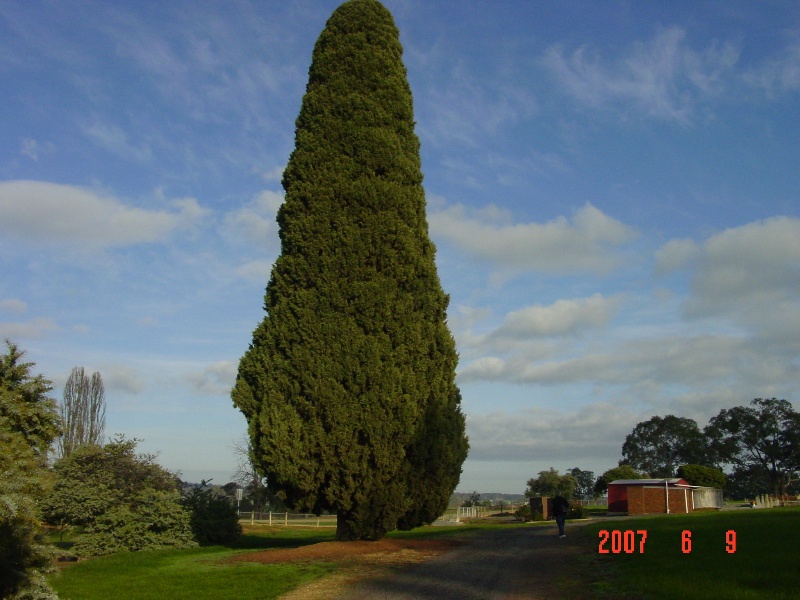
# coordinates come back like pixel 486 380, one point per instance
pixel 647 496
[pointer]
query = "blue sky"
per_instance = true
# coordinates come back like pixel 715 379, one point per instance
pixel 613 188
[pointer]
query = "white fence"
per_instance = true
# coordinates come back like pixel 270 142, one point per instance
pixel 288 519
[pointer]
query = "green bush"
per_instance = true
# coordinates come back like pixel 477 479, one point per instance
pixel 153 520
pixel 577 511
pixel 523 513
pixel 213 519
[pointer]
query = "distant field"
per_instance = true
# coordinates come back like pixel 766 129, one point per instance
pixel 763 562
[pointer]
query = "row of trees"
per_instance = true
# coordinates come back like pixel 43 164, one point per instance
pixel 758 445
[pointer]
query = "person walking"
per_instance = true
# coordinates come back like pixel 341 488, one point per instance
pixel 560 510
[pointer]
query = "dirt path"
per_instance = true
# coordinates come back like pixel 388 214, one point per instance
pixel 502 564
pixel 529 563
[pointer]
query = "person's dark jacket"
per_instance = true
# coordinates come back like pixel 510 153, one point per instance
pixel 560 506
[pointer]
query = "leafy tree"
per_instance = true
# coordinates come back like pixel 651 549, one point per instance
pixel 83 411
pixel 620 472
pixel 25 407
pixel 761 442
pixel 660 445
pixel 703 476
pixel 28 425
pixel 585 483
pixel 124 500
pixel 214 519
pixel 348 386
pixel 550 483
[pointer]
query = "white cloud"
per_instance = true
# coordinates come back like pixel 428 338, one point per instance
pixel 35 328
pixel 115 140
pixel 255 223
pixel 30 149
pixel 750 276
pixel 549 435
pixel 757 261
pixel 122 378
pixel 564 317
pixel 13 305
pixel 583 243
pixel 663 78
pixel 255 270
pixel 675 255
pixel 216 379
pixel 54 213
pixel 779 74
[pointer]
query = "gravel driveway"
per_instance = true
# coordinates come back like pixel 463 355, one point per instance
pixel 514 563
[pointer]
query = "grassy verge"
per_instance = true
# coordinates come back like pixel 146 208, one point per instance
pixel 765 564
pixel 194 574
pixel 203 573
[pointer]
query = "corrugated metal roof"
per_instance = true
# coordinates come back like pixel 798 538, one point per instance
pixel 673 481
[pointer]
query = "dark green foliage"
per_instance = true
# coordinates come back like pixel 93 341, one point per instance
pixel 25 407
pixel 124 500
pixel 660 445
pixel 620 472
pixel 28 425
pixel 24 555
pixel 214 519
pixel 585 483
pixel 761 442
pixel 149 520
pixel 549 483
pixel 348 385
pixel 703 476
pixel 577 510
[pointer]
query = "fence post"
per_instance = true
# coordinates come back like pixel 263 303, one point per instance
pixel 286 518
pixel 270 517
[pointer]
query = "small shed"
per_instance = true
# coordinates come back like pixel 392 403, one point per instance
pixel 647 496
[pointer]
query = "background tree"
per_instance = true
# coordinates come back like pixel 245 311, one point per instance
pixel 256 491
pixel 660 445
pixel 214 519
pixel 348 386
pixel 28 425
pixel 620 472
pixel 584 489
pixel 703 476
pixel 760 441
pixel 83 411
pixel 124 500
pixel 550 483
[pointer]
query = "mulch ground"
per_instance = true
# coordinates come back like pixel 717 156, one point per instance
pixel 344 551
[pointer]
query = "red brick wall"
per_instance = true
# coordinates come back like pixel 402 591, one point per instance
pixel 646 500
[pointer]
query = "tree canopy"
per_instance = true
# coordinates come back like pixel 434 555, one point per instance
pixel 83 411
pixel 703 476
pixel 660 445
pixel 348 386
pixel 760 441
pixel 28 426
pixel 550 483
pixel 620 472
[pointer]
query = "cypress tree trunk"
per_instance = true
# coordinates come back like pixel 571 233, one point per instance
pixel 348 386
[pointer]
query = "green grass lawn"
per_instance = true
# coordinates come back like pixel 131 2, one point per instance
pixel 765 564
pixel 198 573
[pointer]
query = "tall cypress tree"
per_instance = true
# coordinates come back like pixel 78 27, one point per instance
pixel 348 385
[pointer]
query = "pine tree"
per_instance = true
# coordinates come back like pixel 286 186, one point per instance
pixel 348 385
